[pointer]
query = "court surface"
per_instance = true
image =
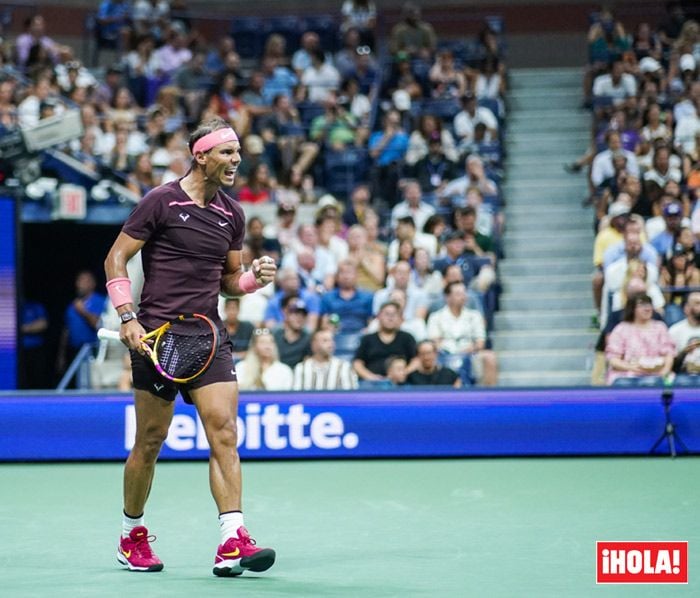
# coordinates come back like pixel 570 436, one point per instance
pixel 472 527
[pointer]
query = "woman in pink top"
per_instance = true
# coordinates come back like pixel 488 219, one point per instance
pixel 639 346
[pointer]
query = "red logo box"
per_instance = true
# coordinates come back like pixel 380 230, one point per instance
pixel 641 562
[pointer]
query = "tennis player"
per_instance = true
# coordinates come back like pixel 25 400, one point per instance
pixel 190 234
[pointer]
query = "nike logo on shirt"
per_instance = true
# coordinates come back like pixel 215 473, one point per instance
pixel 222 224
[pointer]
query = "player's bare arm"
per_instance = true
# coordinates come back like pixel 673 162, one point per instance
pixel 124 248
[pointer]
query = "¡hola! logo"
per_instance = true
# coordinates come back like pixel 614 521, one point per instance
pixel 641 562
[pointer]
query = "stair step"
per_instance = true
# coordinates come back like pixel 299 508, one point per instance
pixel 544 378
pixel 526 251
pixel 562 236
pixel 555 301
pixel 526 360
pixel 542 319
pixel 548 284
pixel 543 219
pixel 564 338
pixel 544 266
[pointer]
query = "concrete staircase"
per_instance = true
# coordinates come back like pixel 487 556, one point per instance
pixel 542 331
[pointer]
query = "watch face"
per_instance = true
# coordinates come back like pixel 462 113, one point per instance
pixel 127 317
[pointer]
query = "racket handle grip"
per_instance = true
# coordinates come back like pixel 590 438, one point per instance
pixel 105 334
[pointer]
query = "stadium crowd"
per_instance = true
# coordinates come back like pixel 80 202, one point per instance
pixel 643 166
pixel 371 173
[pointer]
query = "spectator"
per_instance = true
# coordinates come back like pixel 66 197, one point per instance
pixel 320 77
pixel 424 277
pixel 151 17
pixel 639 346
pixel 370 263
pixel 278 80
pixel 474 178
pixel 113 20
pixel 33 372
pixel 322 370
pixel 412 205
pixel 257 244
pixel 429 372
pixel 226 103
pixel 215 63
pixel 327 227
pixel 82 317
pixel 28 110
pixel 239 331
pixel 415 326
pixel 370 361
pixel 406 231
pixel 292 340
pixel 288 285
pixel 301 59
pixel 447 80
pixel 396 370
pixel 469 117
pixel 460 334
pixel 387 149
pixel 673 216
pixel 361 16
pixel 416 300
pixel 618 86
pixel 261 369
pixel 346 300
pixel 284 229
pixel 413 35
pixel 686 336
pixel 335 128
pixel 173 54
pixel 603 168
pixel 35 36
pixel 315 264
pixel 678 271
pixel 618 213
pixel 435 169
pixel 283 128
pixel 260 186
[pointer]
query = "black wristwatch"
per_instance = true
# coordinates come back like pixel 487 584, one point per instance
pixel 127 316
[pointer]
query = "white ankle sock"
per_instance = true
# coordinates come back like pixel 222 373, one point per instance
pixel 129 523
pixel 229 524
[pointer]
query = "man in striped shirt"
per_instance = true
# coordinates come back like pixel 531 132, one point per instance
pixel 323 371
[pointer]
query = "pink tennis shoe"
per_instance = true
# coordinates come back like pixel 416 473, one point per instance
pixel 240 554
pixel 135 551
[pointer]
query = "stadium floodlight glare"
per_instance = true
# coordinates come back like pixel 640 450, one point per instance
pixel 53 131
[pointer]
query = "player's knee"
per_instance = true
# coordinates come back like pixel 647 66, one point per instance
pixel 223 433
pixel 150 440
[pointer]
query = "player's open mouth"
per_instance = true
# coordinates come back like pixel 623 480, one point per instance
pixel 230 172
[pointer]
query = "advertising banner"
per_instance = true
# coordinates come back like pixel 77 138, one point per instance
pixel 410 423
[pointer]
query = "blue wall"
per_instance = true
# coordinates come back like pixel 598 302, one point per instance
pixel 434 423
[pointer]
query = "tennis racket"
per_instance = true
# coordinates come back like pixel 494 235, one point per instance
pixel 182 349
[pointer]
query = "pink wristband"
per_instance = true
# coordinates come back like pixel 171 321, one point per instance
pixel 119 291
pixel 247 282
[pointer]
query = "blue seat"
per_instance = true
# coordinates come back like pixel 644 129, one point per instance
pixel 290 27
pixel 343 170
pixel 249 33
pixel 308 111
pixel 445 109
pixel 346 344
pixel 326 27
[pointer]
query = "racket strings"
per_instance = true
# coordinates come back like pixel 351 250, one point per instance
pixel 183 353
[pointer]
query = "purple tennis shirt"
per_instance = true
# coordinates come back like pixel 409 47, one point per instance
pixel 185 251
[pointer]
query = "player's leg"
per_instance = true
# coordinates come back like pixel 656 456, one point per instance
pixel 153 417
pixel 217 405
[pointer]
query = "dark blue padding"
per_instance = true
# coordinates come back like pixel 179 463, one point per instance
pixel 408 422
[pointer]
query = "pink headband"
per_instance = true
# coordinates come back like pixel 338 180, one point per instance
pixel 204 144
